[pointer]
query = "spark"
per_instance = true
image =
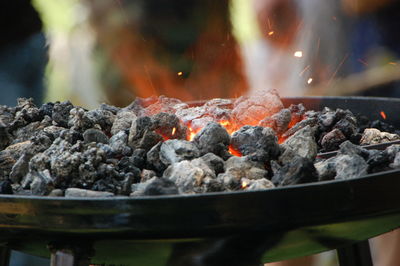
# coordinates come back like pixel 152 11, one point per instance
pixel 304 70
pixel 309 80
pixel 180 73
pixel 244 184
pixel 173 131
pixel 271 33
pixel 393 63
pixel 339 66
pixel 298 54
pixel 362 62
pixel 383 114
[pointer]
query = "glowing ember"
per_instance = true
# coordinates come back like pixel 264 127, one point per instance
pixel 383 114
pixel 309 80
pixel 298 54
pixel 192 133
pixel 180 73
pixel 173 131
pixel 234 152
pixel 244 184
pixel 271 33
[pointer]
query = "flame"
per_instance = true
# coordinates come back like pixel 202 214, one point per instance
pixel 234 152
pixel 192 133
pixel 298 54
pixel 383 114
pixel 173 131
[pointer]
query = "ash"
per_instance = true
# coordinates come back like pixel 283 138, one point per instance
pixel 162 146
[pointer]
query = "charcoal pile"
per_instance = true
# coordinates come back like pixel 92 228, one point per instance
pixel 160 146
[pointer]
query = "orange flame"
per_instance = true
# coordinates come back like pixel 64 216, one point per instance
pixel 383 114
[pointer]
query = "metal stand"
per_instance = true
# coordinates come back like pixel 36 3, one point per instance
pixel 70 255
pixel 357 254
pixel 4 256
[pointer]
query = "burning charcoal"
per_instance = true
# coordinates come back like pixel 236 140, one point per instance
pixel 77 192
pixel 123 121
pixel 189 175
pixel 213 138
pixel 297 112
pixel 95 135
pixel 303 143
pixel 374 136
pixel 169 126
pixel 141 136
pixel 250 110
pixel 163 105
pixel 300 170
pixel 138 158
pixel 173 151
pixel 326 169
pixel 287 155
pixel 214 162
pixel 259 184
pixel 119 144
pixel 188 115
pixel 56 193
pixel 279 122
pixel 20 168
pixel 220 103
pixel 161 186
pixel 310 121
pixel 350 166
pixel 153 159
pixel 349 148
pixel 60 114
pixel 5 187
pixel 332 140
pixel 42 183
pixel 260 143
pixel 147 175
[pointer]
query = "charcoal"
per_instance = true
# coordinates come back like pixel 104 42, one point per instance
pixel 77 192
pixel 163 105
pixel 56 193
pixel 109 108
pixel 378 161
pixel 5 137
pixel 310 121
pixel 141 136
pixel 392 150
pixel 20 168
pixel 119 144
pixel 214 162
pixel 7 115
pixel 138 158
pixel 303 143
pixel 60 114
pixel 188 115
pixel 297 112
pixel 300 170
pixel 71 136
pixel 9 156
pixel 347 125
pixel 349 148
pixel 213 138
pixel 219 103
pixel 123 121
pixel 350 166
pixel 161 186
pixel 189 175
pixel 101 117
pixel 383 126
pixel 173 151
pixel 147 175
pixel 46 109
pixel 326 169
pixel 327 118
pixel 258 184
pixel 279 122
pixel 252 109
pixel 287 154
pixel 5 187
pixel 42 183
pixel 153 160
pixel 260 143
pixel 79 120
pixel 53 131
pixel 28 111
pixel 25 133
pixel 374 136
pixel 332 140
pixel 126 184
pixel 169 126
pixel 126 165
pixel 396 162
pixel 139 188
pixel 95 135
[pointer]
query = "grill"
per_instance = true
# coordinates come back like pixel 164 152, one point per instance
pixel 237 228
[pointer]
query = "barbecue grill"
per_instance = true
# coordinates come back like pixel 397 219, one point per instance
pixel 236 228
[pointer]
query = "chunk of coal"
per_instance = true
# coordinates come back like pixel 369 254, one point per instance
pixel 153 159
pixel 258 184
pixel 252 109
pixel 56 193
pixel 95 135
pixel 350 166
pixel 60 114
pixel 349 148
pixel 5 137
pixel 70 135
pixel 169 126
pixel 213 138
pixel 147 175
pixel 189 175
pixel 396 161
pixel 138 158
pixel 77 192
pixel 42 183
pixel 119 144
pixel 20 168
pixel 5 187
pixel 141 136
pixel 260 143
pixel 347 125
pixel 101 118
pixel 310 121
pixel 326 169
pixel 279 122
pixel 374 136
pixel 297 112
pixel 163 105
pixel 378 161
pixel 332 140
pixel 303 143
pixel 79 120
pixel 123 121
pixel 173 151
pixel 125 165
pixel 9 156
pixel 161 186
pixel 300 170
pixel 214 162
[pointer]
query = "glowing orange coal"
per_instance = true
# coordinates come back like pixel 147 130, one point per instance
pixel 383 114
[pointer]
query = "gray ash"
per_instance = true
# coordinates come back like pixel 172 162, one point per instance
pixel 150 147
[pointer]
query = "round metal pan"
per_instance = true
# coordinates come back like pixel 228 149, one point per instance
pixel 286 221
